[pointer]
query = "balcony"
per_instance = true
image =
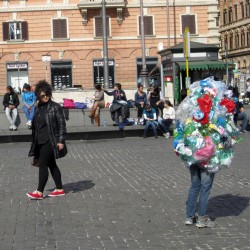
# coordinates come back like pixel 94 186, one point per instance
pixel 84 5
pixel 92 4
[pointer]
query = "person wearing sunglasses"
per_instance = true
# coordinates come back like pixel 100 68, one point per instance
pixel 48 144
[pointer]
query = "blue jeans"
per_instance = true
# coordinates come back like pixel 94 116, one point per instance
pixel 29 113
pixel 201 184
pixel 150 124
pixel 244 117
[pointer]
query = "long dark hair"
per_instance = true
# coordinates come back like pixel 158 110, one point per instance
pixel 168 103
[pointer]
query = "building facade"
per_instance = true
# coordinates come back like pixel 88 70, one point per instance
pixel 61 40
pixel 235 36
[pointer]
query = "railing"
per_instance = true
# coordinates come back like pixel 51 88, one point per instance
pixel 100 1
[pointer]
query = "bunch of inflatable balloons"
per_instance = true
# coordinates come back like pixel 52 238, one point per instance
pixel 205 131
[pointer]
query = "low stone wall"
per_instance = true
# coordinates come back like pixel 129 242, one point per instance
pixel 77 118
pixel 81 95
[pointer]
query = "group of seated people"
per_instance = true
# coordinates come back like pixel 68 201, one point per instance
pixel 148 107
pixel 151 108
pixel 11 103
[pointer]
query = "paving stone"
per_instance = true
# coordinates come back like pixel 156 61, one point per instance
pixel 121 194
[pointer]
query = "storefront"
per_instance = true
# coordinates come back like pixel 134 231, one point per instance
pixel 61 74
pixel 203 62
pixel 98 72
pixel 17 75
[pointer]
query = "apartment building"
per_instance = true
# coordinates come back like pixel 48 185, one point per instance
pixel 235 34
pixel 62 40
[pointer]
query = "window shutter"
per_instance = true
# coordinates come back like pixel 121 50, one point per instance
pixel 60 28
pixel 5 31
pixel 148 26
pixel 98 26
pixel 25 34
pixel 188 21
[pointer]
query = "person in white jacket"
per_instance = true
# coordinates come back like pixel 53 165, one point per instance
pixel 167 118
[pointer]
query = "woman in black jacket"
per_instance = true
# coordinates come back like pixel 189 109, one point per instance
pixel 119 105
pixel 48 132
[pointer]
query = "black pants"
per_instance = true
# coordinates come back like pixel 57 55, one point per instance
pixel 139 110
pixel 47 160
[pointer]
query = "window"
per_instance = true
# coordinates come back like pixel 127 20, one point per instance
pixel 247 8
pixel 237 40
pixel 217 21
pixel 15 31
pixel 98 72
pixel 225 43
pixel 242 10
pixel 61 74
pixel 98 27
pixel 148 26
pixel 60 28
pixel 244 64
pixel 248 36
pixel 242 38
pixel 235 12
pixel 188 21
pixel 231 41
pixel 230 15
pixel 225 17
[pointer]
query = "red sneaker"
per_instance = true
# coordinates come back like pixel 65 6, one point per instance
pixel 56 193
pixel 35 195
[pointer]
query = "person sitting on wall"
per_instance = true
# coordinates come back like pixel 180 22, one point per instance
pixel 119 106
pixel 149 115
pixel 99 103
pixel 29 101
pixel 140 100
pixel 167 118
pixel 154 99
pixel 10 103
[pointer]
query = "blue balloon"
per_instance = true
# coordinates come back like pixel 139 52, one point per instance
pixel 198 115
pixel 175 143
pixel 205 83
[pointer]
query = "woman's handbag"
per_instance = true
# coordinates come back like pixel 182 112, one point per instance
pixel 68 103
pixel 80 105
pixel 63 152
pixel 35 162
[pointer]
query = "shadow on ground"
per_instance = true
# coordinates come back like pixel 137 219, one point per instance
pixel 78 186
pixel 227 205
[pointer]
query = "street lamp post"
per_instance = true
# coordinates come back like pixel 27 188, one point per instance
pixel 226 55
pixel 168 23
pixel 144 71
pixel 105 47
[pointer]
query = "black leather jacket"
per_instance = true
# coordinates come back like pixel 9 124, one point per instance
pixel 56 125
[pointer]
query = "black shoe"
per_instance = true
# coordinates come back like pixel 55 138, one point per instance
pixel 156 136
pixel 144 136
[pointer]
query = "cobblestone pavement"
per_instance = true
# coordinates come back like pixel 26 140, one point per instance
pixel 121 194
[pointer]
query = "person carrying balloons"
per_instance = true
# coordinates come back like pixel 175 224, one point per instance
pixel 203 138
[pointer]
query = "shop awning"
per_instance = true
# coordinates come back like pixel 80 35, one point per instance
pixel 203 65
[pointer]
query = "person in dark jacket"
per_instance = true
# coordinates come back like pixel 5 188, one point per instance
pixel 119 105
pixel 48 133
pixel 140 100
pixel 10 103
pixel 155 100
